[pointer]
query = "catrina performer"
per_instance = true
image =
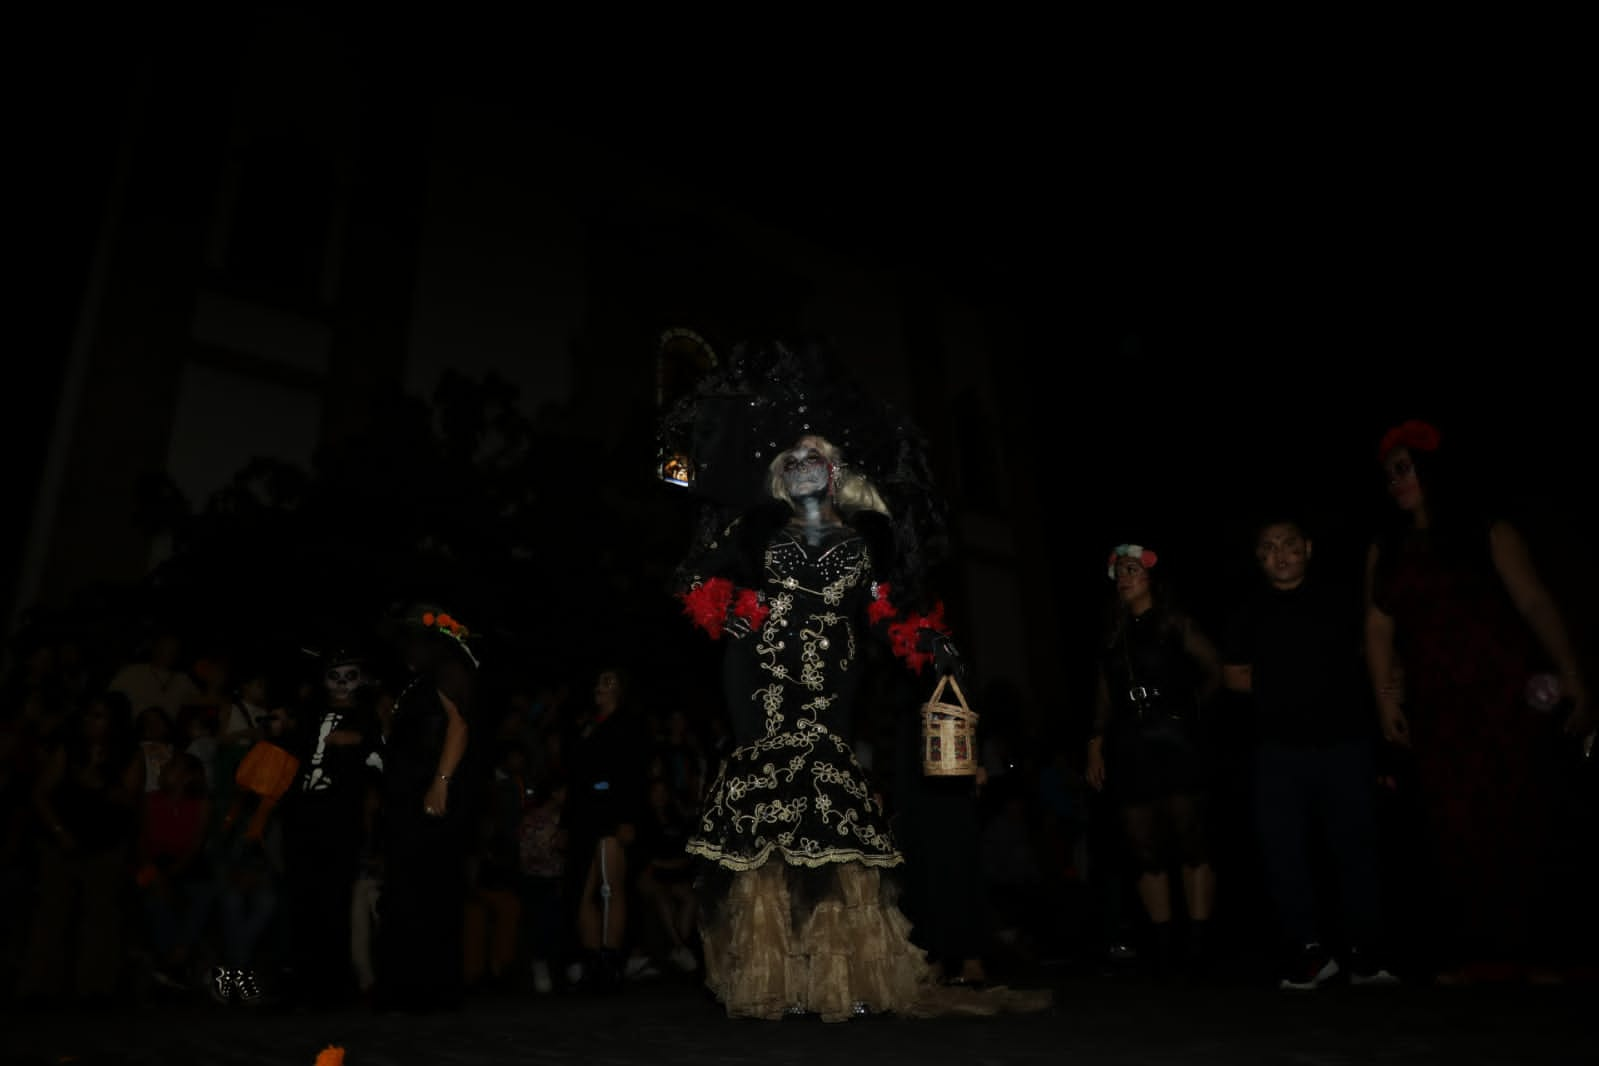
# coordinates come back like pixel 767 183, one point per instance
pixel 432 766
pixel 828 552
pixel 336 742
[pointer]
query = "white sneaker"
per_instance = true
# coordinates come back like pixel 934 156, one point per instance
pixel 685 960
pixel 1378 976
pixel 638 968
pixel 574 973
pixel 541 977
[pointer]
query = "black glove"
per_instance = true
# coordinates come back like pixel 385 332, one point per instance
pixel 947 659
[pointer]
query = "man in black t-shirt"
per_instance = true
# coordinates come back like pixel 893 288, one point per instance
pixel 1294 646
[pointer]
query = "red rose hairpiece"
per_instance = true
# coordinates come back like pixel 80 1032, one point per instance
pixel 1414 434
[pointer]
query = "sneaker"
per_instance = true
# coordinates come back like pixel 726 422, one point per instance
pixel 248 991
pixel 1314 968
pixel 541 977
pixel 639 968
pixel 222 985
pixel 685 960
pixel 574 973
pixel 1366 971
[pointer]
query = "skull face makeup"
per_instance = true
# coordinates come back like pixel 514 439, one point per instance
pixel 341 682
pixel 806 471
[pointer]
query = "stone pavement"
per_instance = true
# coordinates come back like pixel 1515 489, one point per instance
pixel 1095 1021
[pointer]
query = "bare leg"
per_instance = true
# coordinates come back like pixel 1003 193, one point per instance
pixel 1193 846
pixel 588 910
pixel 1154 890
pixel 614 909
pixel 687 914
pixel 1154 886
pixel 602 912
pixel 658 897
pixel 1199 888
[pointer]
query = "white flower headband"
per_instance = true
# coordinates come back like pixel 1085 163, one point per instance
pixel 1145 557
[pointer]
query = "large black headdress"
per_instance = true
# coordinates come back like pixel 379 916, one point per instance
pixel 767 396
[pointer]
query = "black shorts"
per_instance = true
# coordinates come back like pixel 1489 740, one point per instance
pixel 1140 770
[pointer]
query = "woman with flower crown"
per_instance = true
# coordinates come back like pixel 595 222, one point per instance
pixel 431 766
pixel 1157 669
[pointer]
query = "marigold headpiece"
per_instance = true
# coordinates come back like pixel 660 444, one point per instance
pixel 436 620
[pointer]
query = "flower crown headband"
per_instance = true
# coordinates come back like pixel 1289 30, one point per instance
pixel 1145 557
pixel 1414 434
pixel 440 622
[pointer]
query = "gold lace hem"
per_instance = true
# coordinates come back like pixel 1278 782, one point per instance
pixel 740 863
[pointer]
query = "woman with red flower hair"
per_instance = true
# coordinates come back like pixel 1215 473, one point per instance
pixel 1456 608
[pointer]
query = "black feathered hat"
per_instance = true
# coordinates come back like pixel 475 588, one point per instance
pixel 769 394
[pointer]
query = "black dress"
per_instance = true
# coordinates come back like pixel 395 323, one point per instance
pixel 423 904
pixel 795 916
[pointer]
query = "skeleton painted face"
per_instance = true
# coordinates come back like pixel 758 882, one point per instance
pixel 341 683
pixel 806 471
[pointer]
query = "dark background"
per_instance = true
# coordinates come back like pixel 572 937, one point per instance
pixel 1206 296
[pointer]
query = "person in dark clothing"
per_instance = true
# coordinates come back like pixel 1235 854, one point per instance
pixel 1294 647
pixel 323 825
pixel 1149 751
pixel 939 828
pixel 432 780
pixel 1460 620
pixel 607 764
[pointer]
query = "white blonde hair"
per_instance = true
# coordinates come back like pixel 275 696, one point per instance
pixel 850 489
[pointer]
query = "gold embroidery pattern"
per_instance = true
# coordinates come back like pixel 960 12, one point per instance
pixel 797 790
pixel 813 806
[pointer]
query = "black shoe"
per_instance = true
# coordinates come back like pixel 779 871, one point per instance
pixel 247 989
pixel 1201 950
pixel 602 973
pixel 1312 968
pixel 221 985
pixel 1161 957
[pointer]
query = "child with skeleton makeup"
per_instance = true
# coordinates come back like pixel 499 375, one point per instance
pixel 336 741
